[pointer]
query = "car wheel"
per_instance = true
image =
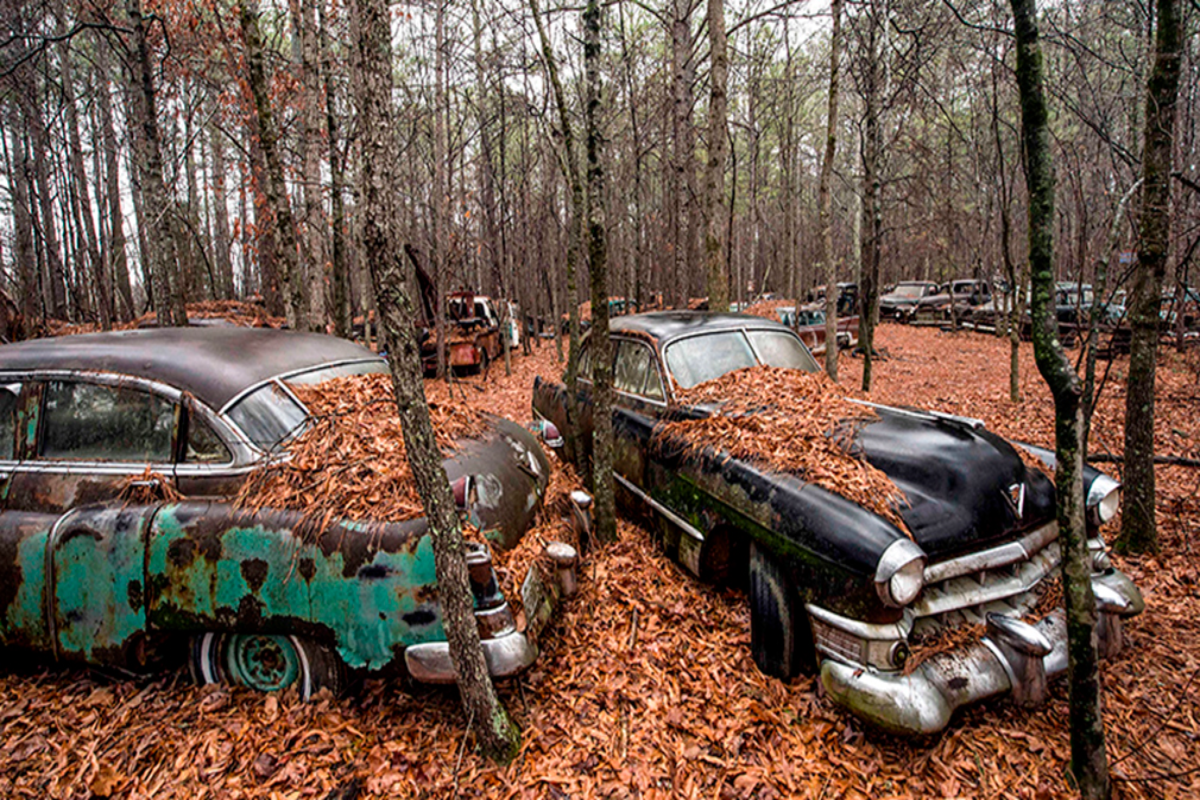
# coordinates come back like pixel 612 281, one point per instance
pixel 775 614
pixel 267 662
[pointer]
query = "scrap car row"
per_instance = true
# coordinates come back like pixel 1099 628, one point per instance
pixel 254 597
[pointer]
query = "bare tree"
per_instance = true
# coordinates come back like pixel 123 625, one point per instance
pixel 395 287
pixel 1089 761
pixel 714 181
pixel 825 198
pixel 1139 533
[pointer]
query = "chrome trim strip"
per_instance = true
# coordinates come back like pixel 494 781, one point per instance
pixel 970 422
pixel 1001 556
pixel 283 376
pixel 864 630
pixel 683 524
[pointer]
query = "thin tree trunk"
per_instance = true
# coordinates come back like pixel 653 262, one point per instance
pixel 872 213
pixel 1139 532
pixel 395 287
pixel 574 178
pixel 221 241
pixel 157 216
pixel 602 376
pixel 310 134
pixel 118 265
pixel 1089 761
pixel 339 263
pixel 19 171
pixel 291 277
pixel 825 196
pixel 96 272
pixel 714 181
pixel 439 192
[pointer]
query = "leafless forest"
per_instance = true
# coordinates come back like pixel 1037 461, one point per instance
pixel 226 148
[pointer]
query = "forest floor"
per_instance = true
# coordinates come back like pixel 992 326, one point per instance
pixel 646 686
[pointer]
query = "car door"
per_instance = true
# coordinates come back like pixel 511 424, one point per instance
pixel 640 399
pixel 93 436
pixel 550 402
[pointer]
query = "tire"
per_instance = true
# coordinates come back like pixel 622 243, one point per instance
pixel 776 617
pixel 266 662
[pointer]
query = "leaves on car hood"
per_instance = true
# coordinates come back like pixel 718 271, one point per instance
pixel 788 421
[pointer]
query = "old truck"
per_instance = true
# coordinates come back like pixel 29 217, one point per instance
pixel 833 586
pixel 261 598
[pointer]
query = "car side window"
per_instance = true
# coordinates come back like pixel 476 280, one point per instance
pixel 629 372
pixel 92 422
pixel 203 444
pixel 10 394
pixel 654 383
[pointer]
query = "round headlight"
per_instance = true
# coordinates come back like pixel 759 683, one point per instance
pixel 1109 505
pixel 907 583
pixel 900 574
pixel 1104 498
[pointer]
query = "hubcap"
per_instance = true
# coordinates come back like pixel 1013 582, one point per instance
pixel 263 662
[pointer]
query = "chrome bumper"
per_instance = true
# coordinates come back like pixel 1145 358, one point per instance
pixel 511 653
pixel 505 655
pixel 1013 656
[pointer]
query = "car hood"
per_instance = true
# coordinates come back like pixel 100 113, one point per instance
pixel 898 300
pixel 965 485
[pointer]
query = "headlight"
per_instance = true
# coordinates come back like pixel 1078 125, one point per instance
pixel 1103 499
pixel 900 575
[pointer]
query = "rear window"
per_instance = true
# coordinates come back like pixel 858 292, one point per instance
pixel 322 374
pixel 268 416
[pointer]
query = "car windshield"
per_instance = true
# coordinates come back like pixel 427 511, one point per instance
pixel 909 289
pixel 270 415
pixel 697 359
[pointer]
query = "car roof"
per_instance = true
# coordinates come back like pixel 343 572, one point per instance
pixel 215 364
pixel 667 325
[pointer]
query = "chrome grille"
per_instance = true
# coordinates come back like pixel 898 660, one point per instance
pixel 1003 580
pixel 836 642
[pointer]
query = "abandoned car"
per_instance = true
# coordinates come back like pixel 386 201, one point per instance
pixel 833 586
pixel 953 302
pixel 254 596
pixel 900 301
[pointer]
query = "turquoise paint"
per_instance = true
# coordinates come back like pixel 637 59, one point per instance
pixel 364 613
pixel 99 559
pixel 25 621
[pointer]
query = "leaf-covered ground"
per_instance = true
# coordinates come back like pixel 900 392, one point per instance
pixel 646 687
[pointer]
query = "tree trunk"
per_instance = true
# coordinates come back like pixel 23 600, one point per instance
pixel 872 214
pixel 714 181
pixel 221 240
pixel 602 376
pixel 825 197
pixel 395 287
pixel 1089 761
pixel 158 216
pixel 570 164
pixel 95 274
pixel 339 277
pixel 118 264
pixel 291 277
pixel 439 191
pixel 310 134
pixel 1139 533
pixel 20 177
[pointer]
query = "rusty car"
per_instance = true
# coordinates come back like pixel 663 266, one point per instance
pixel 953 302
pixel 834 587
pixel 249 597
pixel 899 301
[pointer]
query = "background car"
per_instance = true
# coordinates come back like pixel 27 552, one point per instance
pixel 899 302
pixel 266 598
pixel 834 586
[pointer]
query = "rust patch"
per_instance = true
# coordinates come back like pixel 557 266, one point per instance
pixel 254 572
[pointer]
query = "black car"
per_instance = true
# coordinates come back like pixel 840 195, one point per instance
pixel 898 303
pixel 835 587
